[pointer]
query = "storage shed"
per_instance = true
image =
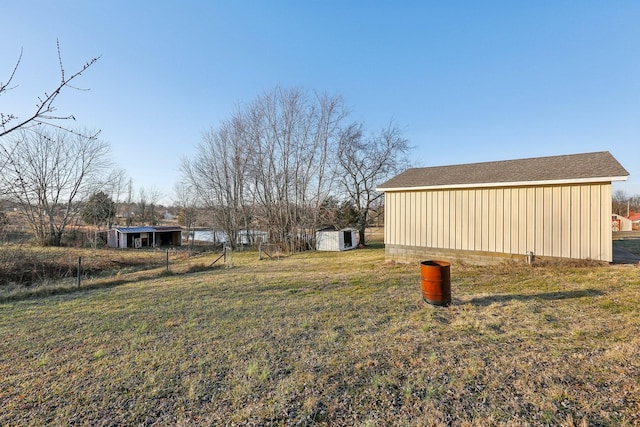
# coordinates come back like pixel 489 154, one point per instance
pixel 558 206
pixel 144 237
pixel 336 240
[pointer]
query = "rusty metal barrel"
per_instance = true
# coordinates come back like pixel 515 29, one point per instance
pixel 436 282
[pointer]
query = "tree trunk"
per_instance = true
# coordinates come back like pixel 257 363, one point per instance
pixel 361 238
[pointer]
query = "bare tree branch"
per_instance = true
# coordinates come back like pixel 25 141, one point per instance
pixel 4 87
pixel 364 162
pixel 43 114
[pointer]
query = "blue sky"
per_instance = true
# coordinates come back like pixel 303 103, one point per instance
pixel 467 81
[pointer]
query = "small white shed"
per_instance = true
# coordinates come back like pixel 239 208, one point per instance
pixel 336 240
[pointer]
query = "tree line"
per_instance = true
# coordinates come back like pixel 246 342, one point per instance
pixel 624 204
pixel 286 162
pixel 289 163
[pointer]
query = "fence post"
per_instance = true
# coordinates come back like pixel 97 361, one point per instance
pixel 79 271
pixel 228 258
pixel 167 260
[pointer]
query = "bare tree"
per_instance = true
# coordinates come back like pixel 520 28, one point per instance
pixel 271 165
pixel 634 203
pixel 267 166
pixel 47 173
pixel 186 200
pixel 4 220
pixel 620 203
pixel 364 162
pixel 291 136
pixel 146 207
pixel 218 175
pixel 623 204
pixel 115 185
pixel 128 206
pixel 44 112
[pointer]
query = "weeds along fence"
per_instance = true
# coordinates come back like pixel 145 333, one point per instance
pixel 269 250
pixel 28 265
pixel 15 237
pixel 25 267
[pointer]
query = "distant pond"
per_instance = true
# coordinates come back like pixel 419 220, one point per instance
pixel 219 236
pixel 213 236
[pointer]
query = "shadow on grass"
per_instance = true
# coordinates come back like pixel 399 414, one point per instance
pixel 374 245
pixel 546 296
pixel 44 292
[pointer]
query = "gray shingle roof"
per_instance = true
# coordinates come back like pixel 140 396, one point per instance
pixel 587 167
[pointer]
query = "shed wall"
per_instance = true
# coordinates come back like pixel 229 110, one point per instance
pixel 328 241
pixel 334 240
pixel 567 221
pixel 620 223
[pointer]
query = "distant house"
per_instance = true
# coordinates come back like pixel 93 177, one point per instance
pixel 634 217
pixel 336 240
pixel 620 223
pixel 557 207
pixel 144 237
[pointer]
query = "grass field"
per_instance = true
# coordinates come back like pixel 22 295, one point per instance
pixel 326 339
pixel 631 245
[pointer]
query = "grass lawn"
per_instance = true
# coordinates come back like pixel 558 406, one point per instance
pixel 631 245
pixel 327 339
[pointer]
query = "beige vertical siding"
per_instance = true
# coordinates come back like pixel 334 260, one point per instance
pixel 569 221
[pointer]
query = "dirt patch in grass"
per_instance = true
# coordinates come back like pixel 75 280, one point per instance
pixel 329 339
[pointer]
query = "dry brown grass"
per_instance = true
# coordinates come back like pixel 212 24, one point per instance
pixel 328 339
pixel 27 270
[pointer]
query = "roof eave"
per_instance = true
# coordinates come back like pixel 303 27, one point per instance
pixel 508 184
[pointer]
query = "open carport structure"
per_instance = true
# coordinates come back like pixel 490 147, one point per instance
pixel 144 237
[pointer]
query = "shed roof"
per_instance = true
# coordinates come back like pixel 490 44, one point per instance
pixel 572 168
pixel 147 229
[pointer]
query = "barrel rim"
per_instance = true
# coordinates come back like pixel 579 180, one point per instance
pixel 435 263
